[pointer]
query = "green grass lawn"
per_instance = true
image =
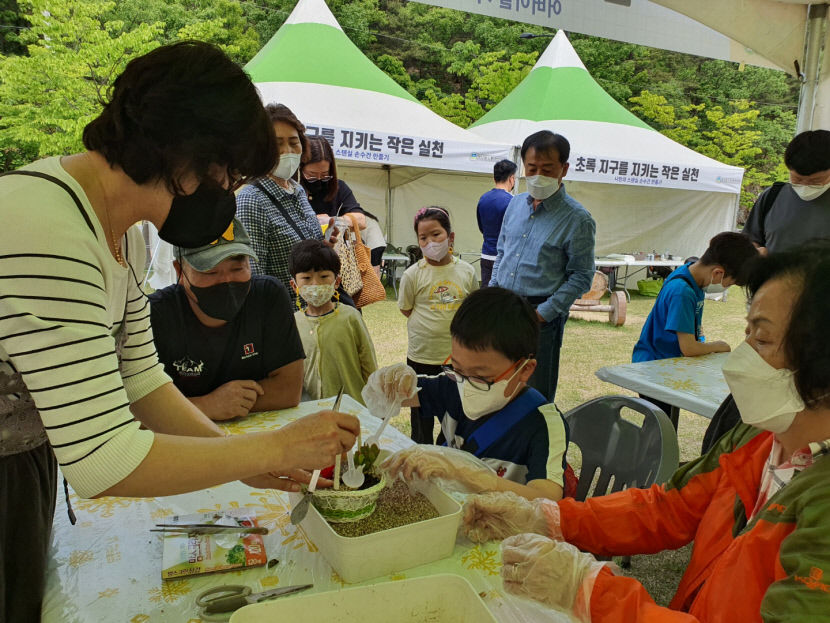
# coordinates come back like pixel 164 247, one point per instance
pixel 589 345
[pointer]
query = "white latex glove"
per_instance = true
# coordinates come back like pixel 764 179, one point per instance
pixel 392 384
pixel 501 514
pixel 548 571
pixel 459 469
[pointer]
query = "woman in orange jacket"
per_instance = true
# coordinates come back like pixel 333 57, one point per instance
pixel 757 506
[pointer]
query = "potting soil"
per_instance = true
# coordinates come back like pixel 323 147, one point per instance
pixel 396 506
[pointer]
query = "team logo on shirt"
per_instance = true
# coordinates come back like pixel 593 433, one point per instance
pixel 189 367
pixel 248 351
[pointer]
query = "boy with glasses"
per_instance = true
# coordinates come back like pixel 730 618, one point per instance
pixel 485 405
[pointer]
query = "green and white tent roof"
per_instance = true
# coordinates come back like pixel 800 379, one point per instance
pixel 608 143
pixel 311 66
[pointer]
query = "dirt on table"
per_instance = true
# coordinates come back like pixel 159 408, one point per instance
pixel 396 506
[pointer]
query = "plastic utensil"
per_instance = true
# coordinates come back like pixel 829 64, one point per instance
pixel 336 485
pixel 375 437
pixel 299 511
pixel 354 477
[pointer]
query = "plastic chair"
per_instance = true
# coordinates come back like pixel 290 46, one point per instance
pixel 414 253
pixel 634 456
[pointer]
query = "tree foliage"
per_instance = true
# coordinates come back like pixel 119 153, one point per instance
pixel 49 94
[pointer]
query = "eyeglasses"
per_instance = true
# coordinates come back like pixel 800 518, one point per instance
pixel 325 178
pixel 476 381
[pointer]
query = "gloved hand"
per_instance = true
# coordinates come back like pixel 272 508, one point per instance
pixel 388 387
pixel 503 514
pixel 450 468
pixel 545 570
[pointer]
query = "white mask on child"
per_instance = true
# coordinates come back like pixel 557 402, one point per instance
pixel 766 397
pixel 317 295
pixel 477 403
pixel 714 288
pixel 436 251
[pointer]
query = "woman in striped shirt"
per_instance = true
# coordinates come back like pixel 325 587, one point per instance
pixel 79 373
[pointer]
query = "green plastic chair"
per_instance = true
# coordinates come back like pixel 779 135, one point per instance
pixel 634 456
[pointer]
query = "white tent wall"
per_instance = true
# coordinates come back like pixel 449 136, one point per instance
pixel 370 188
pixel 630 219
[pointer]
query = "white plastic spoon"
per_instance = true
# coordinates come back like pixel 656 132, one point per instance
pixel 375 437
pixel 353 478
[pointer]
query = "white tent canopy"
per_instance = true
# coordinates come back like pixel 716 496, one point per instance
pixel 645 191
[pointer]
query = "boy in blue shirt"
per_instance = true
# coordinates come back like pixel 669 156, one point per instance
pixel 672 328
pixel 485 405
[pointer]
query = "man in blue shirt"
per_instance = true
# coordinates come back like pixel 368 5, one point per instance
pixel 546 249
pixel 672 328
pixel 490 214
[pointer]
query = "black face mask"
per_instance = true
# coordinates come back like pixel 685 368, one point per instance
pixel 222 301
pixel 199 219
pixel 317 188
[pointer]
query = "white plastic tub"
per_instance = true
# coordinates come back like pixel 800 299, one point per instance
pixel 441 598
pixel 361 558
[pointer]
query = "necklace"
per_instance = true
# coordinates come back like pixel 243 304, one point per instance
pixel 116 243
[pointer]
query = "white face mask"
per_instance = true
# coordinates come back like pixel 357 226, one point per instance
pixel 715 288
pixel 478 402
pixel 541 187
pixel 436 251
pixel 317 295
pixel 766 397
pixel 288 165
pixel 808 193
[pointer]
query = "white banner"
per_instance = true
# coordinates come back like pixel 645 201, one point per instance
pixel 403 149
pixel 592 168
pixel 633 21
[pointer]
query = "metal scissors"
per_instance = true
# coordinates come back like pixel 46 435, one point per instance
pixel 216 604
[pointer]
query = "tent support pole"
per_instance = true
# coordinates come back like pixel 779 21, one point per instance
pixel 388 170
pixel 515 156
pixel 810 77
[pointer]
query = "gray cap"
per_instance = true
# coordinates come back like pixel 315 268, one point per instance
pixel 235 241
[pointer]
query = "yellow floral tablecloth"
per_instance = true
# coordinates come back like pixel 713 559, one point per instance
pixel 108 566
pixel 692 383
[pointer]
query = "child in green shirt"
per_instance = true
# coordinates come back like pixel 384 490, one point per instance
pixel 338 349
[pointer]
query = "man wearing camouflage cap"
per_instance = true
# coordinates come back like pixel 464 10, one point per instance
pixel 227 339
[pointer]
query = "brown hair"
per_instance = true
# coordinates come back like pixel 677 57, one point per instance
pixel 319 150
pixel 433 213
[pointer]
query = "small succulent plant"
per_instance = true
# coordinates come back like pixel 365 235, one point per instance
pixel 366 456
